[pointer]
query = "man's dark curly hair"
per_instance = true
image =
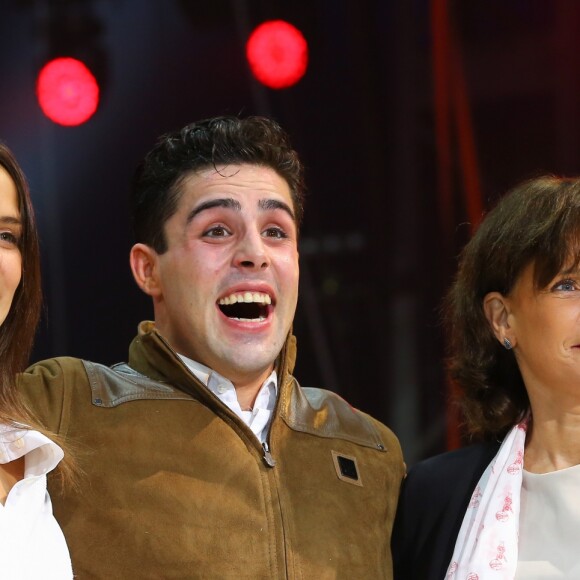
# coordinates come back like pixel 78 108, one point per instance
pixel 156 187
pixel 538 222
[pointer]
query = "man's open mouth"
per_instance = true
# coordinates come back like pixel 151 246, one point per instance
pixel 246 306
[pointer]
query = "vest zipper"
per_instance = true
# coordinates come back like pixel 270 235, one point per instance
pixel 267 457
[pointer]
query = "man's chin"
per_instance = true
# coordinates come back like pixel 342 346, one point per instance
pixel 240 365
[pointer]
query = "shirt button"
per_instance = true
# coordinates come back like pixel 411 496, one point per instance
pixel 19 443
pixel 222 389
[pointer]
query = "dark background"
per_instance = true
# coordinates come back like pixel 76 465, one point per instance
pixel 378 245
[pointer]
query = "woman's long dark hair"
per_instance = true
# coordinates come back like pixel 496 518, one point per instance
pixel 18 331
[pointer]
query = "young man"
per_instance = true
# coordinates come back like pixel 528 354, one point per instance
pixel 203 457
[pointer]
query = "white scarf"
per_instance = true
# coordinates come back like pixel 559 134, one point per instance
pixel 487 544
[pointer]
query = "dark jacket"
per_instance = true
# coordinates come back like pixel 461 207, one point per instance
pixel 434 499
pixel 177 486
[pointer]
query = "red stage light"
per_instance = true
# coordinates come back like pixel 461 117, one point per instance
pixel 277 53
pixel 67 91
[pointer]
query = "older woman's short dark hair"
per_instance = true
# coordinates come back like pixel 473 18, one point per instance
pixel 538 222
pixel 209 143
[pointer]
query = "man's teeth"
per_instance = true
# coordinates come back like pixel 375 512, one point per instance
pixel 247 297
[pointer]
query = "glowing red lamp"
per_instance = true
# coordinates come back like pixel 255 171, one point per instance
pixel 277 54
pixel 67 91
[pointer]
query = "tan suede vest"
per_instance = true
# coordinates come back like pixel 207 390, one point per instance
pixel 175 485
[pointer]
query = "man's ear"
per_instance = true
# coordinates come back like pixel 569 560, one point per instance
pixel 497 309
pixel 144 265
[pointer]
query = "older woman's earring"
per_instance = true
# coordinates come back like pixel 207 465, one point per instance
pixel 507 344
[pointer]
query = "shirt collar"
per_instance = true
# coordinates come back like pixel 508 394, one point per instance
pixel 213 380
pixel 43 455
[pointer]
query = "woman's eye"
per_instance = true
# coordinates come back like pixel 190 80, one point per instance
pixel 565 285
pixel 8 239
pixel 275 233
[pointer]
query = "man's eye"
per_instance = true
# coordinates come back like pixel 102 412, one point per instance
pixel 216 232
pixel 565 285
pixel 275 233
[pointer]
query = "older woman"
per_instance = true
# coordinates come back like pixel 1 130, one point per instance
pixel 509 507
pixel 31 543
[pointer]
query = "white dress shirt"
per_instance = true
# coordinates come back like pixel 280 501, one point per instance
pixel 258 419
pixel 32 545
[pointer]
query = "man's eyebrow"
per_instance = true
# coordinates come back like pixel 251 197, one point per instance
pixel 270 204
pixel 229 203
pixel 226 202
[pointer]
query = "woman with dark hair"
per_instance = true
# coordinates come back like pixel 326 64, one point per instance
pixel 508 507
pixel 32 545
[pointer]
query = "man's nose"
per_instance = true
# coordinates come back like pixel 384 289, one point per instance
pixel 251 252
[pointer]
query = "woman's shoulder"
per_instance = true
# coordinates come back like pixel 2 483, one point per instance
pixel 16 441
pixel 434 497
pixel 439 468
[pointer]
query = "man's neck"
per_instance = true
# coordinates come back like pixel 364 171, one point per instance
pixel 247 389
pixel 247 396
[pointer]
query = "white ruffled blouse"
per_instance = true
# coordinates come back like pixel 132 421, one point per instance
pixel 32 545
